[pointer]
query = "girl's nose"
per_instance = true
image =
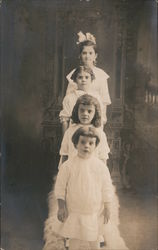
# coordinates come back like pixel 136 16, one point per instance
pixel 83 79
pixel 85 112
pixel 86 145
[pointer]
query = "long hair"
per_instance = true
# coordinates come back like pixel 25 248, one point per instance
pixel 85 131
pixel 87 100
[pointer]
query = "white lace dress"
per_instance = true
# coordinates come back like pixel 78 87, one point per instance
pixel 70 100
pixel 85 184
pixel 55 232
pixel 100 84
pixel 67 147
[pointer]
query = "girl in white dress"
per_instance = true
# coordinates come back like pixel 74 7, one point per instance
pixel 86 112
pixel 83 78
pixel 84 193
pixel 88 55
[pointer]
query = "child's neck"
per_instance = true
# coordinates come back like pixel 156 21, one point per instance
pixel 91 66
pixel 85 89
pixel 84 157
pixel 86 125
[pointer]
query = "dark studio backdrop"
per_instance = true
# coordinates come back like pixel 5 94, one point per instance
pixel 39 49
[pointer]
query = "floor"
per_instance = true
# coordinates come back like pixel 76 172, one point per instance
pixel 24 212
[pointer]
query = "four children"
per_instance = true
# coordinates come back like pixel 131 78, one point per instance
pixel 83 206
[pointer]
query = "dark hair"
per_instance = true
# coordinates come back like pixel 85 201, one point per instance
pixel 79 70
pixel 87 43
pixel 85 131
pixel 87 100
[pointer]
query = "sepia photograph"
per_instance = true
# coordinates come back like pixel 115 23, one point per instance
pixel 79 125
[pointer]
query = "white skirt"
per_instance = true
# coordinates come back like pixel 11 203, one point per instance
pixel 53 232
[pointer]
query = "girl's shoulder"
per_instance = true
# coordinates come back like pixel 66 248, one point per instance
pixel 100 131
pixel 70 131
pixel 64 165
pixel 72 128
pixel 95 160
pixel 97 164
pixel 69 162
pixel 68 77
pixel 100 72
pixel 71 96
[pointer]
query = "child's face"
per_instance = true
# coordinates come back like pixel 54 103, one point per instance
pixel 88 56
pixel 83 80
pixel 86 114
pixel 85 146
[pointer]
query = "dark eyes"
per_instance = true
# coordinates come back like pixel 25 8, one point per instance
pixel 91 143
pixel 84 53
pixel 82 111
pixel 80 77
pixel 83 142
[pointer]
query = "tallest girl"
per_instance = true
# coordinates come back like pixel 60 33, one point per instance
pixel 88 55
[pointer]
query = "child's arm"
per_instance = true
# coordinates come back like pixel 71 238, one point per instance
pixel 64 158
pixel 108 193
pixel 105 90
pixel 60 191
pixel 71 84
pixel 65 113
pixel 62 210
pixel 64 149
pixel 65 125
pixel 104 116
pixel 106 212
pixel 103 147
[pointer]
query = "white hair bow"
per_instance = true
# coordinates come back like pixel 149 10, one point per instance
pixel 86 37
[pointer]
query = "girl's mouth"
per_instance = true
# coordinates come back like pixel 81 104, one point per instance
pixel 86 151
pixel 85 118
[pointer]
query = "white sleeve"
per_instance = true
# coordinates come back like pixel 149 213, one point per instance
pixel 104 89
pixel 64 150
pixel 103 147
pixel 107 190
pixel 67 109
pixel 61 181
pixel 71 84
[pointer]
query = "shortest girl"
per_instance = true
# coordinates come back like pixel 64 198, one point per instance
pixel 84 193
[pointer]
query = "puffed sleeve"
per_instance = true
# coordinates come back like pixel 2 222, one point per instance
pixel 71 84
pixel 104 91
pixel 103 147
pixel 64 150
pixel 107 187
pixel 65 113
pixel 61 181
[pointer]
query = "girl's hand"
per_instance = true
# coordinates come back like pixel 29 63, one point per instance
pixel 62 210
pixel 106 214
pixel 62 214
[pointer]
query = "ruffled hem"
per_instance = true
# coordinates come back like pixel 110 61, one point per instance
pixel 114 217
pixel 76 226
pixel 113 238
pixel 52 240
